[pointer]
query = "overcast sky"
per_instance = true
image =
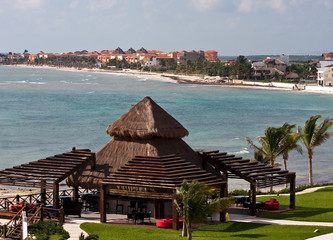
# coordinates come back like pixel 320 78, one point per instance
pixel 231 27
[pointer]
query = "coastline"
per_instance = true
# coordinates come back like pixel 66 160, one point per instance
pixel 195 80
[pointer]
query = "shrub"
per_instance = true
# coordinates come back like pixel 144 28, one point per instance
pixel 43 230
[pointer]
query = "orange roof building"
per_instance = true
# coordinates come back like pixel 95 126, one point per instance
pixel 210 55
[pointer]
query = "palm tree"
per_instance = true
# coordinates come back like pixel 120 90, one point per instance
pixel 313 136
pixel 195 206
pixel 289 142
pixel 271 146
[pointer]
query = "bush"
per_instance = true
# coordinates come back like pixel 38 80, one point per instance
pixel 43 230
pixel 89 237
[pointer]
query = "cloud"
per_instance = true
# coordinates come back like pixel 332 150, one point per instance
pixel 262 5
pixel 203 5
pixel 101 4
pixel 27 4
pixel 327 3
pixel 74 4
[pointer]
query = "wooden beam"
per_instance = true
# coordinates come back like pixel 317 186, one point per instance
pixel 253 200
pixel 76 194
pixel 292 190
pixel 56 203
pixel 224 193
pixel 103 203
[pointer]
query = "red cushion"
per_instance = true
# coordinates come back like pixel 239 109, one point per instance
pixel 167 223
pixel 15 207
pixel 272 205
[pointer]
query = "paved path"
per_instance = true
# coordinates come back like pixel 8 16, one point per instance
pixel 254 219
pixel 72 223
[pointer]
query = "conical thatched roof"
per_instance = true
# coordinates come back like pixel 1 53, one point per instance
pixel 130 51
pixel 144 130
pixel 142 50
pixel 118 51
pixel 146 120
pixel 292 75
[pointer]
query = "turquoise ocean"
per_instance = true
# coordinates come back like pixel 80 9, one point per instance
pixel 44 112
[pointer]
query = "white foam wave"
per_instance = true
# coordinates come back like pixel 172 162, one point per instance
pixel 37 83
pixel 142 79
pixel 17 82
pixel 242 152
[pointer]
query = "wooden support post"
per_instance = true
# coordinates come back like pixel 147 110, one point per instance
pixel 76 194
pixel 43 192
pixel 292 190
pixel 224 193
pixel 161 209
pixel 253 200
pixel 4 231
pixel 156 212
pixel 103 204
pixel 175 217
pixel 62 216
pixel 56 195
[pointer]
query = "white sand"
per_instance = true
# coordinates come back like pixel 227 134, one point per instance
pixel 185 79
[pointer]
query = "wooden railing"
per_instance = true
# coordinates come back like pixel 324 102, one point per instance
pixel 35 198
pixel 13 227
pixel 34 214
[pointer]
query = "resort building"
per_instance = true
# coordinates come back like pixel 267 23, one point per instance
pixel 325 76
pixel 321 67
pixel 192 56
pixel 211 55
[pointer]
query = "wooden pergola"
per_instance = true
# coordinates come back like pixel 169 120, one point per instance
pixel 154 178
pixel 257 174
pixel 48 173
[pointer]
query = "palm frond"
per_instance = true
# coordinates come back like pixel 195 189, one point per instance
pixel 320 134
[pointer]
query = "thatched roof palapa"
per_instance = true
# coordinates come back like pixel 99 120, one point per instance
pixel 157 177
pixel 144 130
pixel 146 120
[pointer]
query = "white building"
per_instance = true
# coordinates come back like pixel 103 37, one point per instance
pixel 321 68
pixel 152 63
pixel 325 77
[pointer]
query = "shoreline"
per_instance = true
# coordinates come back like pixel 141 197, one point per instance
pixel 193 80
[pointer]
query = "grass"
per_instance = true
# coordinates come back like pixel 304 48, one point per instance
pixel 230 230
pixel 315 207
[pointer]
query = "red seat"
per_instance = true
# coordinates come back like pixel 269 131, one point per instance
pixel 18 207
pixel 272 205
pixel 167 223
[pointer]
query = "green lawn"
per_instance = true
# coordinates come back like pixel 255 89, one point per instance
pixel 316 206
pixel 231 230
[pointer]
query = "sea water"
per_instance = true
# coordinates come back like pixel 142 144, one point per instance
pixel 44 112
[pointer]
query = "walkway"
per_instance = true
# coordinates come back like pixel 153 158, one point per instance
pixel 72 223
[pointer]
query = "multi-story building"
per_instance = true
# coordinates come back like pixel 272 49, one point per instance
pixel 211 55
pixel 192 56
pixel 325 77
pixel 321 67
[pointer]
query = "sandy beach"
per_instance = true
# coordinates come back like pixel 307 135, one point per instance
pixel 198 80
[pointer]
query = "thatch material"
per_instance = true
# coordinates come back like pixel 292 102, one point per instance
pixel 292 75
pixel 118 51
pixel 144 130
pixel 142 50
pixel 130 51
pixel 117 152
pixel 146 120
pixel 157 176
